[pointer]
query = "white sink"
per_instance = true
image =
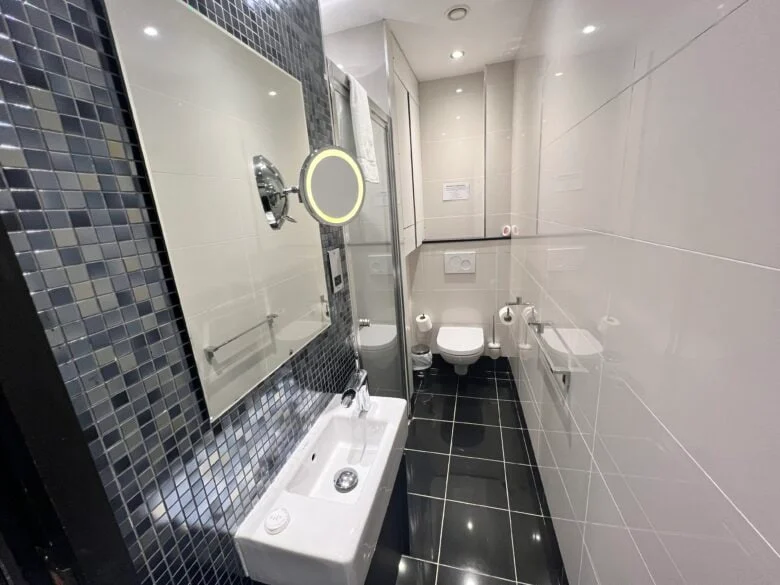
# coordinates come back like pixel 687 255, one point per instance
pixel 327 537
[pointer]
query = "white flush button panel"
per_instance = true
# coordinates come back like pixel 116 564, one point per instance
pixel 380 264
pixel 460 262
pixel 336 271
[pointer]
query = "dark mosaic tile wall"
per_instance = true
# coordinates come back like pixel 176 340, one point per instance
pixel 75 200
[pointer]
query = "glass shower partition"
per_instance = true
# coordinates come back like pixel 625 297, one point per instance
pixel 374 256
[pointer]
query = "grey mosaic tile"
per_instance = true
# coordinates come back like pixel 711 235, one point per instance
pixel 76 202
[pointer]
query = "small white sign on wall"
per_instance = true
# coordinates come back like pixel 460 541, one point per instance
pixel 456 191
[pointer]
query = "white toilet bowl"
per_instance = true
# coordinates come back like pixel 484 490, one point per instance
pixel 461 346
pixel 378 345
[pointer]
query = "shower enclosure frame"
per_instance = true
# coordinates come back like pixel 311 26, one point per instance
pixel 338 84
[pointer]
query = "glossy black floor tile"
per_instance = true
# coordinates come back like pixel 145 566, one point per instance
pixel 537 556
pixel 478 539
pixel 483 368
pixel 433 406
pixel 523 496
pixel 449 576
pixel 477 410
pixel 477 387
pixel 514 446
pixel 439 383
pixel 424 527
pixel 477 482
pixel 477 441
pixel 415 572
pixel 511 416
pixel 506 389
pixel 429 435
pixel 426 473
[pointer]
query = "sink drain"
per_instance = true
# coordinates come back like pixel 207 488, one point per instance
pixel 345 480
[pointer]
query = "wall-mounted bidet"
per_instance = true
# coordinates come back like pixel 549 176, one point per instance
pixel 460 346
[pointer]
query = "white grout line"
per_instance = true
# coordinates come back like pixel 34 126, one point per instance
pixel 462 422
pixel 447 482
pixel 475 572
pixel 506 489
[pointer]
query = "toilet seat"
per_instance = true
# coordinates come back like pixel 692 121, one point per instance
pixel 461 341
pixel 377 337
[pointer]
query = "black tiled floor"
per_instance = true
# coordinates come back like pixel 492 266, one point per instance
pixel 424 527
pixel 536 551
pixel 475 475
pixel 439 383
pixel 477 387
pixel 522 489
pixel 433 406
pixel 477 482
pixel 477 538
pixel 429 435
pixel 514 446
pixel 426 473
pixel 510 414
pixel 506 390
pixel 477 441
pixel 448 576
pixel 477 410
pixel 415 572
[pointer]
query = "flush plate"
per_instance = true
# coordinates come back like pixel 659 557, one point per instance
pixel 460 262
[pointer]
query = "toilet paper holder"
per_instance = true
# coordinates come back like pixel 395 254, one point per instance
pixel 518 302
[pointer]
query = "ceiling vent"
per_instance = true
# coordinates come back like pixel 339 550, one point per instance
pixel 457 13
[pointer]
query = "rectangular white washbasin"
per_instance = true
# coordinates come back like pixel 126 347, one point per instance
pixel 305 532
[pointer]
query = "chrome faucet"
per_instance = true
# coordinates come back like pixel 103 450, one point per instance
pixel 357 389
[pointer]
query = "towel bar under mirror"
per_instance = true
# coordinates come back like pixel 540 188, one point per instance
pixel 204 110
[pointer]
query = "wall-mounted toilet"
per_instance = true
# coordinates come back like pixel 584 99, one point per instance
pixel 460 346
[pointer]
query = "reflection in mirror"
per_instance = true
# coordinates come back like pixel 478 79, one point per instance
pixel 205 106
pixel 273 195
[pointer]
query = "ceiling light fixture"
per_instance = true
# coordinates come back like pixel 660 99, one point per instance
pixel 457 13
pixel 588 29
pixel 559 74
pixel 150 31
pixel 457 54
pixel 459 90
pixel 272 93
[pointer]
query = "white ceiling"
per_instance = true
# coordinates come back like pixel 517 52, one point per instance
pixel 492 31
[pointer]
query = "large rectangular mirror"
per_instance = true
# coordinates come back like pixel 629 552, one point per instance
pixel 205 105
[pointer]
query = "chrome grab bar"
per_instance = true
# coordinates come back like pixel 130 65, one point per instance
pixel 555 366
pixel 213 349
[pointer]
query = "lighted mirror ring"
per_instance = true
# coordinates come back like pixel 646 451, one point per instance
pixel 350 170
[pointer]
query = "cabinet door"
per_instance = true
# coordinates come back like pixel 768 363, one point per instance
pixel 403 155
pixel 417 180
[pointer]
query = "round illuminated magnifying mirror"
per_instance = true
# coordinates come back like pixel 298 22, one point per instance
pixel 332 186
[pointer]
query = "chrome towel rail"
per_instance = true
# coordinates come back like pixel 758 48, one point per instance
pixel 558 366
pixel 213 349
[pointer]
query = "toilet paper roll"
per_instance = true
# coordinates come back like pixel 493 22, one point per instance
pixel 423 323
pixel 506 230
pixel 506 315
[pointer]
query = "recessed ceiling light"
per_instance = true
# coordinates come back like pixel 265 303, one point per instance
pixel 457 54
pixel 559 74
pixel 150 31
pixel 272 93
pixel 588 29
pixel 457 117
pixel 459 90
pixel 458 12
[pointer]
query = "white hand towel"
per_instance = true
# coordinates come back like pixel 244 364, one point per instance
pixel 362 130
